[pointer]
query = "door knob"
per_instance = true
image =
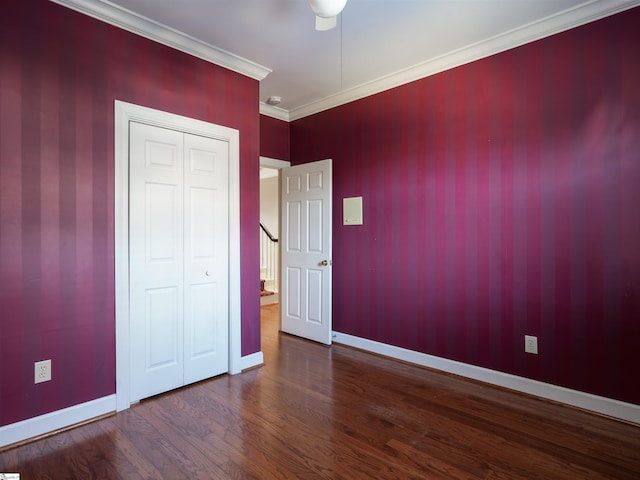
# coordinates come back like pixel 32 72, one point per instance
pixel 207 273
pixel 324 263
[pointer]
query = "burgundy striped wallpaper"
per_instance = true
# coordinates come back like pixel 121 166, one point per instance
pixel 60 73
pixel 274 138
pixel 501 198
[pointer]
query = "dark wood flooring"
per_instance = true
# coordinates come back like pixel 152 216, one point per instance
pixel 313 412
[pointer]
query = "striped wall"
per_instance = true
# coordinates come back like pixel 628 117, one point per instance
pixel 60 73
pixel 274 138
pixel 501 198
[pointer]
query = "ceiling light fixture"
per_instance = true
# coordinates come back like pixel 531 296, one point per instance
pixel 275 100
pixel 326 12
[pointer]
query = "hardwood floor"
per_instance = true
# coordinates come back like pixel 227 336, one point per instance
pixel 314 412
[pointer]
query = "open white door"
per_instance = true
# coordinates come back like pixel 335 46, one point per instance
pixel 306 300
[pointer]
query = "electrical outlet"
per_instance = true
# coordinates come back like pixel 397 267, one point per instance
pixel 531 344
pixel 42 371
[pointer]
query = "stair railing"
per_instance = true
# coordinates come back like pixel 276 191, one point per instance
pixel 268 256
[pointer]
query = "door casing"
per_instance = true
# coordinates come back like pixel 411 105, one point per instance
pixel 125 113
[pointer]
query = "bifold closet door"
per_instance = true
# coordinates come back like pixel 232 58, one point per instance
pixel 178 257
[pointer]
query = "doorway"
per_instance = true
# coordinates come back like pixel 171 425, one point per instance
pixel 125 115
pixel 305 238
pixel 270 230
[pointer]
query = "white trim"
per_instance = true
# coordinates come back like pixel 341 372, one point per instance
pixel 51 422
pixel 125 113
pixel 253 360
pixel 147 28
pixel 574 17
pixel 275 112
pixel 274 163
pixel 606 406
pixel 235 331
pixel 586 12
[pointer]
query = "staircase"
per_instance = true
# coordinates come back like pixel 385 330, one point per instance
pixel 263 291
pixel 268 267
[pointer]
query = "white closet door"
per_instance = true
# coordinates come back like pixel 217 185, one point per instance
pixel 178 259
pixel 206 274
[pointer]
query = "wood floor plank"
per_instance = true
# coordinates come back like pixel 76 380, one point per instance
pixel 314 412
pixel 128 458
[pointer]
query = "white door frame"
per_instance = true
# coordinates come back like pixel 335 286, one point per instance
pixel 273 163
pixel 125 113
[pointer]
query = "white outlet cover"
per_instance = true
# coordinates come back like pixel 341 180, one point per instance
pixel 42 371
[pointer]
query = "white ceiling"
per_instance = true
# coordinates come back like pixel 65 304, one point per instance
pixel 377 44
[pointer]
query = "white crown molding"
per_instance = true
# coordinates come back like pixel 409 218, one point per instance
pixel 574 17
pixel 145 27
pixel 587 12
pixel 275 112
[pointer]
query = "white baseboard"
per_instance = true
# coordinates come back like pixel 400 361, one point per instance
pixel 54 421
pixel 605 406
pixel 251 361
pixel 51 422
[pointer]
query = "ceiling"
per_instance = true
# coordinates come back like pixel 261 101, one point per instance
pixel 377 44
